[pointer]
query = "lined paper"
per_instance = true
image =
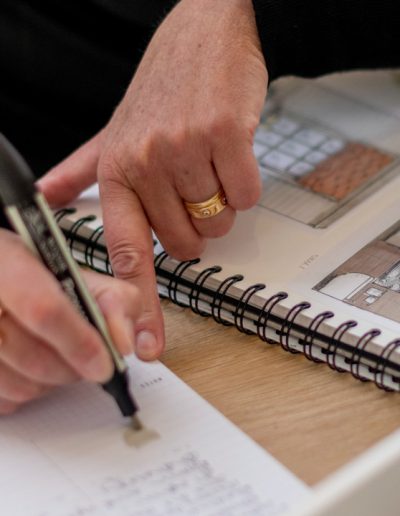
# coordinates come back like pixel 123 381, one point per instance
pixel 66 456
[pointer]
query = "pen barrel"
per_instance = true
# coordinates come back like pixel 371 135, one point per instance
pixel 117 387
pixel 29 214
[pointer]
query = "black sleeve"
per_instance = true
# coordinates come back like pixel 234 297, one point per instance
pixel 313 37
pixel 3 221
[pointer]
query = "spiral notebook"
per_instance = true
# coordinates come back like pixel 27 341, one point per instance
pixel 316 265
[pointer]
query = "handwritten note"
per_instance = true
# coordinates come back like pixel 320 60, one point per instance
pixel 66 456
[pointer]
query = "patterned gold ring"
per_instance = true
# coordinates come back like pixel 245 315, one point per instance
pixel 208 208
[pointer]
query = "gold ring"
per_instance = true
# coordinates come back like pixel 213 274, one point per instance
pixel 208 208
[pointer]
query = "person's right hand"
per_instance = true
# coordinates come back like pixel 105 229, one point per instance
pixel 184 128
pixel 44 342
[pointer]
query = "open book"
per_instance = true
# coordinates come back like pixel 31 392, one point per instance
pixel 316 265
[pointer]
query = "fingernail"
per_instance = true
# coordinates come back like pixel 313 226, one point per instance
pixel 147 347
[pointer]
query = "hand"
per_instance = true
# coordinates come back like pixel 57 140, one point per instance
pixel 184 127
pixel 44 342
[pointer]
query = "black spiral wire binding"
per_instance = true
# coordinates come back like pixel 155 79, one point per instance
pixel 312 332
pixel 159 260
pixel 244 302
pixel 76 226
pixel 60 214
pixel 265 314
pixel 90 248
pixel 355 359
pixel 287 325
pixel 176 277
pixel 218 300
pixel 198 286
pixel 383 363
pixel 219 296
pixel 336 339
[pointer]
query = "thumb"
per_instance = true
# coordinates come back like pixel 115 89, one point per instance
pixel 78 171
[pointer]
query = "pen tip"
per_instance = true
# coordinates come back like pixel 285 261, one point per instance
pixel 136 423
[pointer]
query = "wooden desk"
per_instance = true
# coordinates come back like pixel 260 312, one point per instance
pixel 309 417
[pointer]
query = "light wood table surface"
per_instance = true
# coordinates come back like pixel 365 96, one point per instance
pixel 312 419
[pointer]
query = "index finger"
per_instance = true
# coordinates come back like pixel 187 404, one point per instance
pixel 35 299
pixel 130 245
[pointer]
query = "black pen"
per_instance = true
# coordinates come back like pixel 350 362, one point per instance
pixel 31 217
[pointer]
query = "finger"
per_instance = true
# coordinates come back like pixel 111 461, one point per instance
pixel 121 305
pixel 68 179
pixel 130 245
pixel 35 299
pixel 237 167
pixel 199 183
pixel 8 407
pixel 171 222
pixel 16 388
pixel 145 173
pixel 30 357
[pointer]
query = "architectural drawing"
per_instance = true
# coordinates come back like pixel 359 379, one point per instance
pixel 370 279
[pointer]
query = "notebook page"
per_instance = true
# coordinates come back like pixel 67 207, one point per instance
pixel 329 160
pixel 67 456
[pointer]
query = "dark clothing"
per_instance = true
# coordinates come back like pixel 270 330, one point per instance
pixel 64 66
pixel 314 37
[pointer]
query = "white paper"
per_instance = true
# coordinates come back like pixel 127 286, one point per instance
pixel 66 456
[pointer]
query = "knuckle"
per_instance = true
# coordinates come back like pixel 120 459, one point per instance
pixel 177 141
pixel 250 124
pixel 127 164
pixel 45 312
pixel 110 169
pixel 221 125
pixel 129 261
